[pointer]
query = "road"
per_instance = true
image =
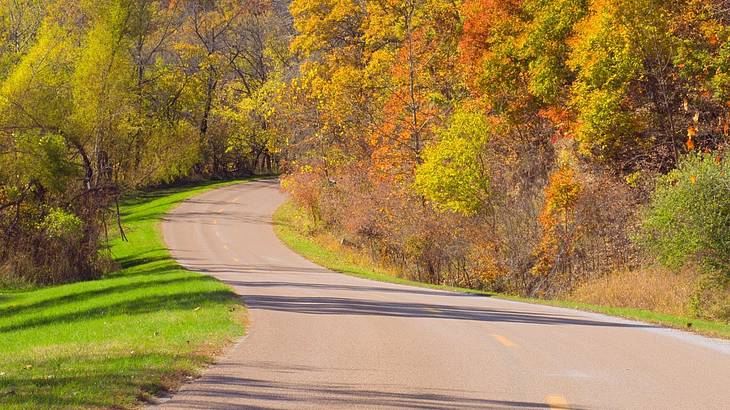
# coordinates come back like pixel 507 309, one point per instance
pixel 319 339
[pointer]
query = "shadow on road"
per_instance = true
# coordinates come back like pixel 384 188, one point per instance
pixel 356 305
pixel 352 306
pixel 221 391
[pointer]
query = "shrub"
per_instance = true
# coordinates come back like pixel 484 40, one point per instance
pixel 305 186
pixel 63 225
pixel 688 217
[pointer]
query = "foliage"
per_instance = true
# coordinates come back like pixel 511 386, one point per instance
pixel 59 224
pixel 558 220
pixel 688 218
pixel 98 98
pixel 497 143
pixel 454 173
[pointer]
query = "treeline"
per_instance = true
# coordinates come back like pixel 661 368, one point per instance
pixel 525 146
pixel 515 145
pixel 101 97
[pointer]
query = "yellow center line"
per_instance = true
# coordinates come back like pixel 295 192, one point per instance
pixel 557 401
pixel 506 342
pixel 236 260
pixel 215 222
pixel 220 211
pixel 226 247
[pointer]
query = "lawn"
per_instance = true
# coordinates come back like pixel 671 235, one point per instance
pixel 325 250
pixel 114 342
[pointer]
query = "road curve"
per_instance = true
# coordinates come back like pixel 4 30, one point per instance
pixel 324 340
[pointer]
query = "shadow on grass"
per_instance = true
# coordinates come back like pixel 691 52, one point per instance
pixel 53 384
pixel 132 215
pixel 139 259
pixel 138 306
pixel 99 292
pixel 153 193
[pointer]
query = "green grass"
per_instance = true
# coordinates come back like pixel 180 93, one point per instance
pixel 291 228
pixel 112 342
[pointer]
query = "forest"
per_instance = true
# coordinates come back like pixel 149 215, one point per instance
pixel 102 98
pixel 533 147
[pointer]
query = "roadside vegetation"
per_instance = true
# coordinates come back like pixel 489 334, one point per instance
pixel 116 341
pixel 102 98
pixel 655 301
pixel 546 149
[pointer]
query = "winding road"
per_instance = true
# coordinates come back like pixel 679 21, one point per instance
pixel 323 340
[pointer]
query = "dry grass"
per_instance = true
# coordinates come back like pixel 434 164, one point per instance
pixel 648 289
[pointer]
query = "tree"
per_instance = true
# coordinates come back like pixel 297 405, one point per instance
pixel 455 173
pixel 100 97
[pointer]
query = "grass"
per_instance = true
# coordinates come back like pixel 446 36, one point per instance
pixel 113 342
pixel 323 249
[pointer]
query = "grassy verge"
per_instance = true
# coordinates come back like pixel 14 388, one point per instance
pixel 111 343
pixel 324 250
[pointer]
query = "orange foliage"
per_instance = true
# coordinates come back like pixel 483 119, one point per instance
pixel 561 196
pixel 398 141
pixel 562 119
pixel 480 17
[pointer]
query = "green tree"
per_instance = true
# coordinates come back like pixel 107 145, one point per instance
pixel 455 173
pixel 688 217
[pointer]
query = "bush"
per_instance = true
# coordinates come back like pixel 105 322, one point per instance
pixel 60 224
pixel 688 218
pixel 305 186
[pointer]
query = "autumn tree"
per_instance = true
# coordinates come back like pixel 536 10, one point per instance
pixel 100 97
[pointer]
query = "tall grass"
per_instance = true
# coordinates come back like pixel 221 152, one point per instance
pixel 650 289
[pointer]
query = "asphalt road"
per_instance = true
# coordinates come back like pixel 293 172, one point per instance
pixel 324 340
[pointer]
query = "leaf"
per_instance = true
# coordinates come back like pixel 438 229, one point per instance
pixel 690 144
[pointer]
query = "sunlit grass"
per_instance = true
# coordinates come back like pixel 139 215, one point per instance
pixel 115 341
pixel 323 249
